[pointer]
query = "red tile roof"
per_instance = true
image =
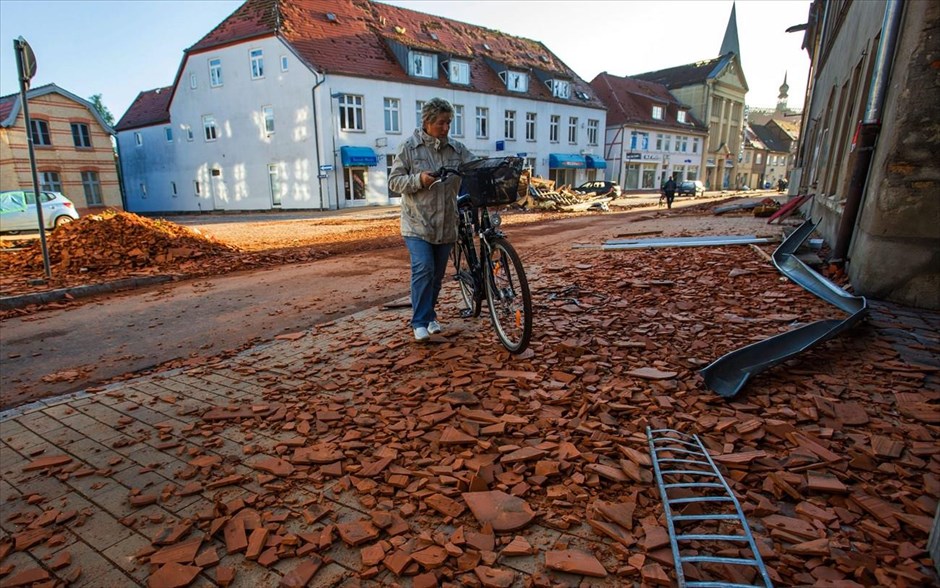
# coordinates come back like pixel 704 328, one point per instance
pixel 6 105
pixel 149 108
pixel 360 37
pixel 630 101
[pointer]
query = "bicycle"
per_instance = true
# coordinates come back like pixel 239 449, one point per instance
pixel 493 270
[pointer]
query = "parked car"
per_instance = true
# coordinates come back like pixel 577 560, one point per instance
pixel 690 188
pixel 18 210
pixel 599 187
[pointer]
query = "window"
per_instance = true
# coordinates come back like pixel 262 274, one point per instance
pixel 268 113
pixel 659 141
pixel 456 126
pixel 517 81
pixel 553 124
pixel 138 138
pixel 530 126
pixel 92 188
pixel 419 104
pixel 682 144
pixel 192 81
pixel 257 63
pixel 284 63
pixel 168 132
pixel 572 129
pixel 422 65
pixel 658 112
pixel 695 145
pixel 509 128
pixel 355 183
pixel 592 131
pixel 49 181
pixel 196 187
pixel 681 116
pixel 274 182
pixel 639 141
pixel 747 157
pixel 143 190
pixel 173 189
pixel 350 113
pixel 392 115
pixel 757 158
pixel 39 132
pixel 208 125
pixel 215 72
pixel 667 143
pixel 189 132
pixel 483 115
pixel 459 72
pixel 389 160
pixel 561 89
pixel 81 137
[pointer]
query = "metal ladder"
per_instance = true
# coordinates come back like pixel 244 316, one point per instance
pixel 690 469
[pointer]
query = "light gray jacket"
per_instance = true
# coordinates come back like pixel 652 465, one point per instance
pixel 427 214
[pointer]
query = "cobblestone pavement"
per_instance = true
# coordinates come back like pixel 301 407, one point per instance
pixel 340 453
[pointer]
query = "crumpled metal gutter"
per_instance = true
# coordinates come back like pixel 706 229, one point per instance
pixel 728 374
pixel 708 241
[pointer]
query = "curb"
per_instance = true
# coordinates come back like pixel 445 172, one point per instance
pixel 14 302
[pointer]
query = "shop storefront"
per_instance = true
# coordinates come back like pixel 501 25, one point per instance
pixel 356 163
pixel 563 168
pixel 596 167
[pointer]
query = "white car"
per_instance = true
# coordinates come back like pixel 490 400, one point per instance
pixel 18 210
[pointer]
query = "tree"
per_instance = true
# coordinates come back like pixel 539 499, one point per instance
pixel 102 109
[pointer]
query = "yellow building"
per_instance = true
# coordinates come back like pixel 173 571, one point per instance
pixel 72 145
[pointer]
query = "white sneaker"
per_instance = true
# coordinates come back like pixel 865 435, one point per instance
pixel 434 327
pixel 421 334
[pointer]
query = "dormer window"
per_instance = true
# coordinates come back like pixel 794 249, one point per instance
pixel 680 116
pixel 561 89
pixel 658 112
pixel 458 72
pixel 516 81
pixel 422 65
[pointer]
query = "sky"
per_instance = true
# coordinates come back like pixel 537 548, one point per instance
pixel 118 48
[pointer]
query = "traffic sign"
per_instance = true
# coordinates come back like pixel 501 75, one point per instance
pixel 326 167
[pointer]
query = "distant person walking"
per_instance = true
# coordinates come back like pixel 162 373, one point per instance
pixel 428 208
pixel 669 189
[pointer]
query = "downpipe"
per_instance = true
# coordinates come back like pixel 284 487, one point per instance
pixel 316 132
pixel 869 129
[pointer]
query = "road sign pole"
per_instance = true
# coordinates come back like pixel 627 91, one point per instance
pixel 26 66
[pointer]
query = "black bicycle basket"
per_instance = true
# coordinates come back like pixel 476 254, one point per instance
pixel 493 181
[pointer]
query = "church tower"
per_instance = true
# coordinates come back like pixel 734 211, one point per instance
pixel 730 42
pixel 782 97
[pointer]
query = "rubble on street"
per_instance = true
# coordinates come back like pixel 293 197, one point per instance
pixel 543 195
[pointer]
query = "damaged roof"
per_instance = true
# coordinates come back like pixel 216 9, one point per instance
pixel 769 139
pixel 630 100
pixel 151 107
pixel 326 33
pixel 687 75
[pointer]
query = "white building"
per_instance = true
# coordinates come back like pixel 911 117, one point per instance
pixel 650 135
pixel 302 105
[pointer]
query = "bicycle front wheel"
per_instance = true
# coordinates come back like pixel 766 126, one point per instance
pixel 507 294
pixel 463 275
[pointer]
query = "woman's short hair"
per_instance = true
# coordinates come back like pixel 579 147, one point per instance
pixel 434 108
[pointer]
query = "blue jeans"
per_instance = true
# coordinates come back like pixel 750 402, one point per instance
pixel 428 265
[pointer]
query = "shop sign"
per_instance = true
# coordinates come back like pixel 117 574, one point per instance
pixel 710 162
pixel 632 156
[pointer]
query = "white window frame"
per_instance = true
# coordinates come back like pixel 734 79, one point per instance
pixel 592 127
pixel 572 130
pixel 509 125
pixel 554 127
pixel 531 120
pixel 659 141
pixel 561 89
pixel 667 144
pixel 422 65
pixel 419 105
pixel 657 112
pixel 189 133
pixel 682 144
pixel 458 72
pixel 274 183
pixel 215 72
pixel 392 115
pixel 256 61
pixel 193 81
pixel 351 113
pixel 210 130
pixel 695 145
pixel 681 116
pixel 50 181
pixel 456 128
pixel 482 122
pixel 516 81
pixel 285 63
pixel 168 133
pixel 267 113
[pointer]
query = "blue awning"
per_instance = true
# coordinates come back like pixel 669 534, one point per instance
pixel 358 156
pixel 595 162
pixel 566 160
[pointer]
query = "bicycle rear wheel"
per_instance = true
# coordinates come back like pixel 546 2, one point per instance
pixel 508 297
pixel 472 300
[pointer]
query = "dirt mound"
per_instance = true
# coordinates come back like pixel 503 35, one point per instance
pixel 112 240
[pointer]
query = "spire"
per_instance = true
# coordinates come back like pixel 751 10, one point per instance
pixel 730 42
pixel 782 97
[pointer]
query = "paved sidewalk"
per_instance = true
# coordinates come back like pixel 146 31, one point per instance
pixel 340 454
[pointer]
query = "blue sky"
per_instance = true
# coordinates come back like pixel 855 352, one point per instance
pixel 119 48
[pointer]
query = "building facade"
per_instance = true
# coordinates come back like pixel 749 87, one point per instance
pixel 868 147
pixel 650 135
pixel 71 143
pixel 304 104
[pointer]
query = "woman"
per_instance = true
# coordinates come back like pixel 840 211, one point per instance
pixel 428 210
